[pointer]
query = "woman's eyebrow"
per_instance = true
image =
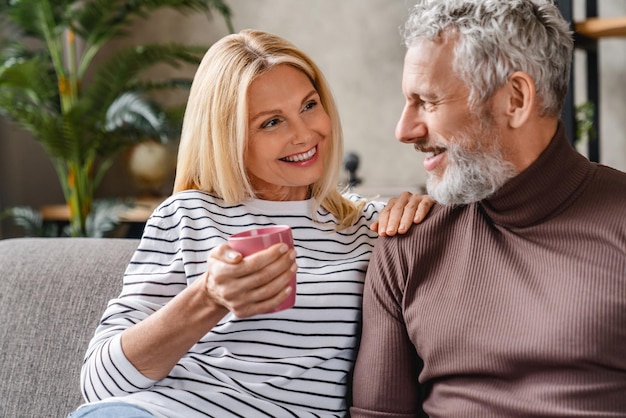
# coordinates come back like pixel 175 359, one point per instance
pixel 276 111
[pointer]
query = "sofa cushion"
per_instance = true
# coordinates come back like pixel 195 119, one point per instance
pixel 52 294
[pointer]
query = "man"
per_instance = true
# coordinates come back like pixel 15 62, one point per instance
pixel 510 299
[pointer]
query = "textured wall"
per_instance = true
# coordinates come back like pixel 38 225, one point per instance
pixel 357 45
pixel 613 91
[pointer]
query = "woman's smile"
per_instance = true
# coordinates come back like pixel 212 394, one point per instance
pixel 302 157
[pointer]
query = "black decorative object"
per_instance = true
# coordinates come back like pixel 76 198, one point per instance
pixel 351 164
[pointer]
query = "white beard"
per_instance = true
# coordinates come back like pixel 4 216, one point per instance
pixel 471 175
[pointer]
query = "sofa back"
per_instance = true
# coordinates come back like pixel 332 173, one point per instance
pixel 52 294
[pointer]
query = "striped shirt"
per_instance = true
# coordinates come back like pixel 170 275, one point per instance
pixel 293 363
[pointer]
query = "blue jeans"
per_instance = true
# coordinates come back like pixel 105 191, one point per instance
pixel 111 410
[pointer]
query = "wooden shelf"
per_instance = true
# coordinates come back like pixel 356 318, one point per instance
pixel 56 213
pixel 601 27
pixel 140 212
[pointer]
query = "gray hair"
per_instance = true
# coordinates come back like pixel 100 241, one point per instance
pixel 497 38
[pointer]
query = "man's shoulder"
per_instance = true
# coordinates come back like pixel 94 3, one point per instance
pixel 606 190
pixel 447 216
pixel 443 220
pixel 443 231
pixel 610 178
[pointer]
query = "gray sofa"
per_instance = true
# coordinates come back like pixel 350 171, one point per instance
pixel 52 293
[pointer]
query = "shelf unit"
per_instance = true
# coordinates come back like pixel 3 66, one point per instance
pixel 587 33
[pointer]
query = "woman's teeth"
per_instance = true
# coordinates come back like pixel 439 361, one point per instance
pixel 301 157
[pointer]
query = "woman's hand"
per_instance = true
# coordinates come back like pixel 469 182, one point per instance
pixel 401 212
pixel 252 285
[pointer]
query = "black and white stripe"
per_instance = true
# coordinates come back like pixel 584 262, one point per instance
pixel 291 363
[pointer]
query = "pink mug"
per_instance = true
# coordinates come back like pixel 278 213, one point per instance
pixel 253 240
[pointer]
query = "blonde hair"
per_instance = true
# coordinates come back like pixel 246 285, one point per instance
pixel 215 127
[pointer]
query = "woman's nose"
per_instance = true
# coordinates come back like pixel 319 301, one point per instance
pixel 302 132
pixel 410 127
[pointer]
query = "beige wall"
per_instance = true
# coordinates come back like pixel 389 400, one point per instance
pixel 613 91
pixel 612 57
pixel 357 45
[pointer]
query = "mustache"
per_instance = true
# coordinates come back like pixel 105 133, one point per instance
pixel 428 145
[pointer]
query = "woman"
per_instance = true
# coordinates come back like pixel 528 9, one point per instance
pixel 189 336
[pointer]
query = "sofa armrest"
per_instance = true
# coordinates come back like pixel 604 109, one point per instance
pixel 52 294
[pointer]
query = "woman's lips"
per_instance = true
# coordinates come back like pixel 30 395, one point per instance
pixel 297 158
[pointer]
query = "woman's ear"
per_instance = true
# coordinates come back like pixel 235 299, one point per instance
pixel 521 98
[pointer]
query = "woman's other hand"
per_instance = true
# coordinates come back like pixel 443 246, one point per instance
pixel 401 212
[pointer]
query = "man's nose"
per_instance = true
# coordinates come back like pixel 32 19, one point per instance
pixel 411 127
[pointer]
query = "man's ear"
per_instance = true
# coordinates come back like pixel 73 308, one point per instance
pixel 521 98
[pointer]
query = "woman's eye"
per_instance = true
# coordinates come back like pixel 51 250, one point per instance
pixel 270 123
pixel 310 105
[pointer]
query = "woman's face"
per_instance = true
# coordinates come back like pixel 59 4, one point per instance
pixel 288 134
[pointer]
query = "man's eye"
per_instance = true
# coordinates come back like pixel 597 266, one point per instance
pixel 428 106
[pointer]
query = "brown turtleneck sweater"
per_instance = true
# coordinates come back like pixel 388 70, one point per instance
pixel 511 307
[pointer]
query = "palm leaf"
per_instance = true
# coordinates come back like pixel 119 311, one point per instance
pixel 123 70
pixel 137 115
pixel 99 21
pixel 84 125
pixel 105 216
pixel 13 49
pixel 43 20
pixel 24 15
pixel 156 85
pixel 31 221
pixel 28 80
pixel 28 96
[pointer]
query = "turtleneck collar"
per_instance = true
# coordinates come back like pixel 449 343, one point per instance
pixel 545 188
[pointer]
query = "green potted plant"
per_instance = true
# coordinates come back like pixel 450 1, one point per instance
pixel 83 123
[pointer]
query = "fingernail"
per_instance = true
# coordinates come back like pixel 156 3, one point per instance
pixel 294 268
pixel 232 255
pixel 283 248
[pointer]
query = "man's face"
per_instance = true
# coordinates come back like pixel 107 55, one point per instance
pixel 464 158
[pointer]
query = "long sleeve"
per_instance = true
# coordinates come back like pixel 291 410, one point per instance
pixel 385 377
pixel 154 276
